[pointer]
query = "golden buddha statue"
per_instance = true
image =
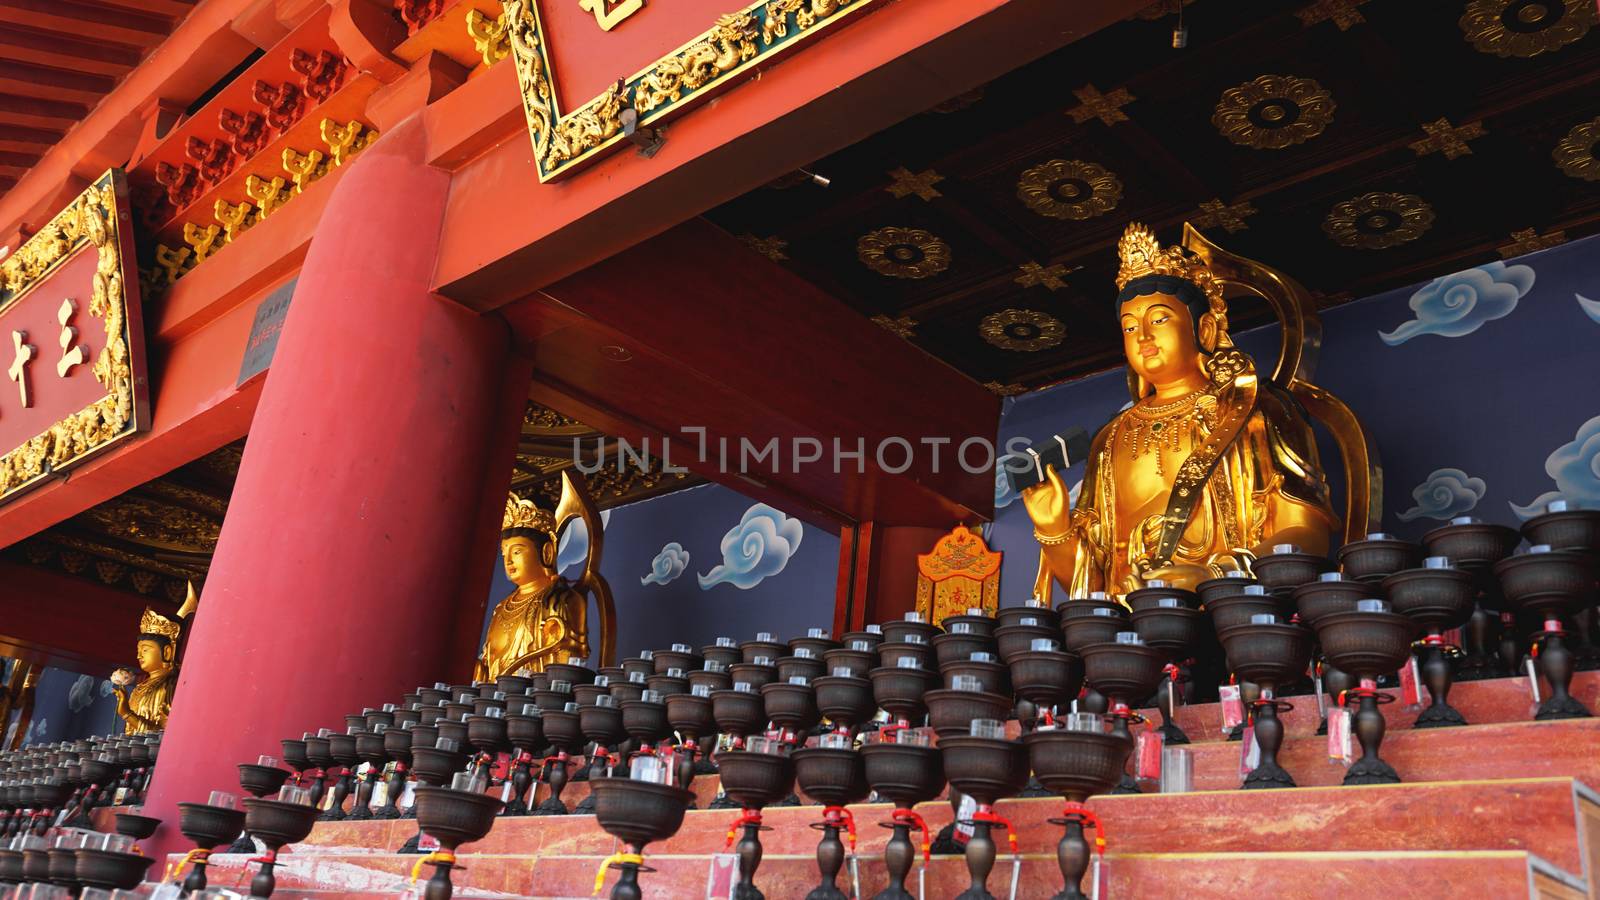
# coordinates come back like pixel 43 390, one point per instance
pixel 1212 465
pixel 144 706
pixel 545 620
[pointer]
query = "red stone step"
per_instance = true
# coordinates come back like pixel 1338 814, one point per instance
pixel 1481 702
pixel 1550 816
pixel 1500 874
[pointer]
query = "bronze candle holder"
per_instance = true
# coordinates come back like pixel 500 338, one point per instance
pixel 637 813
pixel 905 774
pixel 845 700
pixel 763 647
pixel 397 747
pixel 899 630
pixel 738 711
pixel 112 871
pixel 1011 640
pixel 370 748
pixel 1378 556
pixel 1175 630
pixel 690 716
pixel 1076 765
pixel 601 724
pixel 1044 679
pixel 1367 643
pixel 525 730
pixel 1092 621
pixel 342 747
pixel 1551 584
pixel 453 818
pixel 1126 671
pixel 987 769
pixel 274 823
pixel 63 864
pixel 209 827
pixel 753 779
pixel 1268 653
pixel 1437 597
pixel 816 641
pixel 1564 528
pixel 725 653
pixel 562 730
pixel 434 766
pixel 1330 593
pixel 901 691
pixel 834 775
pixel 1476 546
pixel 1286 568
pixel 807 667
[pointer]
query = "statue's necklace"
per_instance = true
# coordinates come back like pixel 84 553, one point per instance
pixel 1160 426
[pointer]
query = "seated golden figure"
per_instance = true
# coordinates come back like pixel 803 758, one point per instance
pixel 144 706
pixel 545 620
pixel 1210 467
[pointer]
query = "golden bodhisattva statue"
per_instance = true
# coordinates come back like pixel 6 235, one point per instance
pixel 545 620
pixel 144 706
pixel 1210 467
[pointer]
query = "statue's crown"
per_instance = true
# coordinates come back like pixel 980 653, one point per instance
pixel 1143 255
pixel 155 623
pixel 522 513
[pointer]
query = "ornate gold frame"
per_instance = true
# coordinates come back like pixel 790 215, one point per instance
pixel 99 217
pixel 689 75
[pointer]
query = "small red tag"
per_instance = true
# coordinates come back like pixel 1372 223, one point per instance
pixel 1339 735
pixel 1410 688
pixel 1452 637
pixel 1249 752
pixel 1232 706
pixel 1147 754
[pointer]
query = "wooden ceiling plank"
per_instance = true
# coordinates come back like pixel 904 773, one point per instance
pixel 18 137
pixel 51 83
pixel 176 9
pixel 52 48
pixel 34 111
pixel 84 21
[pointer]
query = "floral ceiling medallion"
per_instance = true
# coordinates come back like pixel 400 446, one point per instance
pixel 903 252
pixel 1069 189
pixel 1273 112
pixel 1023 330
pixel 1378 220
pixel 1578 154
pixel 1524 28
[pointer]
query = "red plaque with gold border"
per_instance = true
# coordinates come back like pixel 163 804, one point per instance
pixel 72 367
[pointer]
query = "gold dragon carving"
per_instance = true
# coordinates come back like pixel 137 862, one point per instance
pixel 730 42
pixel 90 220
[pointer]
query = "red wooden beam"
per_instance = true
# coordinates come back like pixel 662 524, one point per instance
pixel 52 618
pixel 119 26
pixel 54 49
pixel 18 137
pixel 33 80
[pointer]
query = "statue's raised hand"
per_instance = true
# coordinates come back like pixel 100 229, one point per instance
pixel 1049 504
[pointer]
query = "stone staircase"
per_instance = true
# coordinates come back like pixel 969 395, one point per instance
pixel 1502 808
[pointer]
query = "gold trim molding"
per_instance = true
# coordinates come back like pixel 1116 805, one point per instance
pixel 738 42
pixel 98 218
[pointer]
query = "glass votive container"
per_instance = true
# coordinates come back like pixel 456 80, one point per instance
pixel 636 677
pixel 445 744
pixel 700 690
pixel 803 653
pixel 1130 638
pixel 1285 548
pixel 1103 611
pixel 1437 562
pixel 908 662
pixel 1255 590
pixel 966 683
pixel 674 673
pixel 981 656
pixel 1168 602
pixel 1465 520
pixel 988 728
pixel 1083 721
pixel 1372 605
pixel 560 687
pixel 648 768
pixel 647 654
pixel 1040 644
pixel 842 672
pixel 916 639
pixel 764 745
pixel 744 687
pixel 763 661
pixel 223 799
pixel 714 665
pixel 1263 619
pixel 816 633
pixel 974 610
pixel 912 616
pixel 1330 576
pixel 799 679
pixel 960 628
pixel 1539 548
pixel 874 629
pixel 1177 770
pixel 834 741
pixel 764 637
pixel 861 646
pixel 270 762
pixel 1029 621
pixel 650 696
pixel 682 648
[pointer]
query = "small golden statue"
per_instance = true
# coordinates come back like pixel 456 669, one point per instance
pixel 1212 465
pixel 544 620
pixel 144 708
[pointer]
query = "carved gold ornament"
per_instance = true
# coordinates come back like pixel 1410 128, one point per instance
pixel 903 252
pixel 734 43
pixel 1576 154
pixel 91 220
pixel 1523 28
pixel 1069 189
pixel 1022 330
pixel 1378 220
pixel 1273 112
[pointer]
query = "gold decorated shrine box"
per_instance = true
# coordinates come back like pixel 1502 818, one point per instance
pixel 71 339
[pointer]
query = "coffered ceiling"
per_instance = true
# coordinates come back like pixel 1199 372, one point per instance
pixel 1359 145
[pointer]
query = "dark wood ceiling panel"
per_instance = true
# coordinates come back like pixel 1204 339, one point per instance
pixel 1274 119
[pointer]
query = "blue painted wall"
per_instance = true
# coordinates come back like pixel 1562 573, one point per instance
pixel 67 706
pixel 706 562
pixel 1481 389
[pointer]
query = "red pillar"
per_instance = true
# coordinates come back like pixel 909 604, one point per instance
pixel 351 527
pixel 878 572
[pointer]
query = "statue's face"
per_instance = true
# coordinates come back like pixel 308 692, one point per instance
pixel 153 657
pixel 1158 337
pixel 521 559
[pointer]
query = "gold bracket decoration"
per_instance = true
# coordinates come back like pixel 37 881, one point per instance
pixel 233 219
pixel 345 141
pixel 737 43
pixel 608 16
pixel 488 35
pixel 96 221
